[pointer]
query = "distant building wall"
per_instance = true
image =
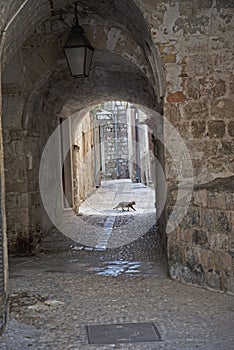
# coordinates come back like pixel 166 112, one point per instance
pixel 114 141
pixel 141 152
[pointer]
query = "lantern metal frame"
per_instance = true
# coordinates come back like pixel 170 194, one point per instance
pixel 78 50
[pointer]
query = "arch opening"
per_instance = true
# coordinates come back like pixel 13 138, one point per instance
pixel 114 143
pixel 36 86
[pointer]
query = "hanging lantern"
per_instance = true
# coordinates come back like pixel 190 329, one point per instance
pixel 78 51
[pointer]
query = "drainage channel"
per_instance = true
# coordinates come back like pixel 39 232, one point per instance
pixel 104 237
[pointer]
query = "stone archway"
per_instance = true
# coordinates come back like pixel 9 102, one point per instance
pixel 29 35
pixel 121 54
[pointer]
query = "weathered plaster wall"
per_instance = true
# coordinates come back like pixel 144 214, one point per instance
pixel 83 149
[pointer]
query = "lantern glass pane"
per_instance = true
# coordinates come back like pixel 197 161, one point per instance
pixel 76 57
pixel 89 55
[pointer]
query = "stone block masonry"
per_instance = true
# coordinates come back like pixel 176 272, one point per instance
pixel 21 156
pixel 115 142
pixel 195 42
pixel 201 249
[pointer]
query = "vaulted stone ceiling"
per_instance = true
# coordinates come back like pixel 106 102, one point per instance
pixel 37 31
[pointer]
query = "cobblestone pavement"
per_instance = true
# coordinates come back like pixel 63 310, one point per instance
pixel 101 205
pixel 55 295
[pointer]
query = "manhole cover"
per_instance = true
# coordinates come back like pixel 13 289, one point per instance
pixel 122 333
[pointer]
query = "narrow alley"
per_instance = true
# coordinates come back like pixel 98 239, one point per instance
pixel 111 274
pixel 104 102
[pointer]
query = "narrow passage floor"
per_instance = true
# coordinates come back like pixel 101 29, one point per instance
pixel 71 285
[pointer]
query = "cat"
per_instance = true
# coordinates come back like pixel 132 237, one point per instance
pixel 128 205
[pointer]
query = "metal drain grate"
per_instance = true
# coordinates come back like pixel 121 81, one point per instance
pixel 122 333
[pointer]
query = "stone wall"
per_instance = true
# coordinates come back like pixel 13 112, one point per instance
pixel 195 43
pixel 4 289
pixel 21 157
pixel 115 148
pixel 201 249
